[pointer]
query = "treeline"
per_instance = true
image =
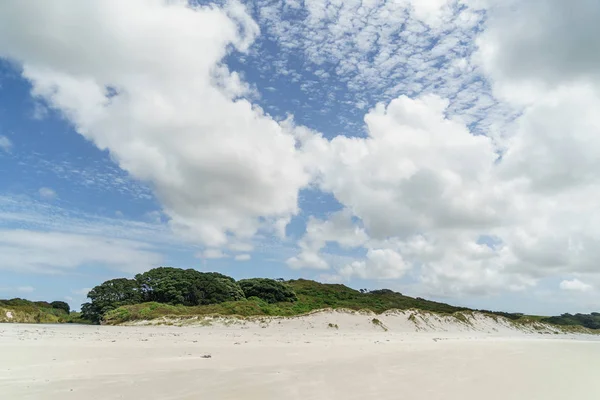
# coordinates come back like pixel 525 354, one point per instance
pixel 161 288
pixel 591 321
pixel 175 286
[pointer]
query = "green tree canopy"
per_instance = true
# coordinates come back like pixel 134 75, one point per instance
pixel 187 286
pixel 269 290
pixel 110 295
pixel 61 305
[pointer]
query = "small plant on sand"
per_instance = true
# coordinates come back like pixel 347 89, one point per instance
pixel 378 323
pixel 334 326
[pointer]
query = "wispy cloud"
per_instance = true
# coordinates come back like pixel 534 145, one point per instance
pixel 47 193
pixel 5 144
pixel 18 289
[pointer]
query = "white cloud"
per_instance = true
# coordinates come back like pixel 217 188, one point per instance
pixel 339 228
pixel 377 51
pixel 238 246
pixel 24 211
pixel 5 144
pixel 155 217
pixel 47 193
pixel 54 252
pixel 39 111
pixel 425 187
pixel 242 257
pixel 379 264
pixel 212 254
pixel 575 285
pixel 19 289
pixel 307 259
pixel 415 172
pixel 156 95
pixel 529 48
pixel 68 298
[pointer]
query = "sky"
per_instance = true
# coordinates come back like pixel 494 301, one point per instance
pixel 448 149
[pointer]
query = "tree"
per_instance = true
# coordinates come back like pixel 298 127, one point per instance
pixel 110 295
pixel 187 286
pixel 61 305
pixel 269 290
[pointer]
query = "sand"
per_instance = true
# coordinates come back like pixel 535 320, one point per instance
pixel 302 358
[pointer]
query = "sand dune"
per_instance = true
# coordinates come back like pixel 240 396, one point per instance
pixel 299 358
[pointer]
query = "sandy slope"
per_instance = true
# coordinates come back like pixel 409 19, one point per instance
pixel 301 358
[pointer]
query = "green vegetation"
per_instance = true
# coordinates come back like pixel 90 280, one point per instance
pixel 41 312
pixel 378 323
pixel 300 297
pixel 590 321
pixel 61 305
pixel 269 290
pixel 110 295
pixel 187 287
pixel 187 293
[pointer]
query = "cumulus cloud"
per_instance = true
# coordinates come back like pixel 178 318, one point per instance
pixel 339 228
pixel 155 93
pixel 379 264
pixel 472 214
pixel 5 144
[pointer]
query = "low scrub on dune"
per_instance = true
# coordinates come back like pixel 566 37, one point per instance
pixel 296 297
pixel 41 312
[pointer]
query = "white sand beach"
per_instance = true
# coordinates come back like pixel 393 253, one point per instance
pixel 300 358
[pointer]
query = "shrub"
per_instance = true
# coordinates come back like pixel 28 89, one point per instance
pixel 61 305
pixel 269 290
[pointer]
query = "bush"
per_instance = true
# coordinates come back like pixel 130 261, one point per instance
pixel 61 305
pixel 269 290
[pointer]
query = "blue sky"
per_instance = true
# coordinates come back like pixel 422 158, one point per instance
pixel 377 144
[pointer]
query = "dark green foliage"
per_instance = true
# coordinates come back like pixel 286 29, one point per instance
pixel 591 321
pixel 269 290
pixel 382 292
pixel 187 287
pixel 110 295
pixel 513 316
pixel 61 305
